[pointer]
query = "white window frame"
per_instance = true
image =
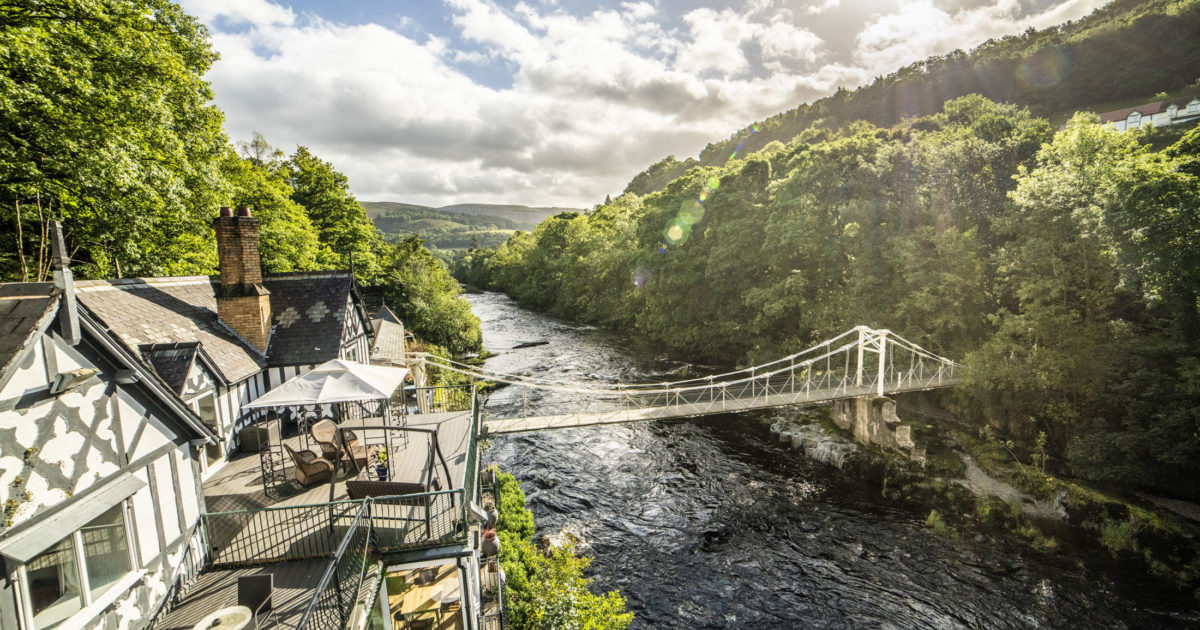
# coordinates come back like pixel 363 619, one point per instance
pixel 1193 107
pixel 91 606
pixel 193 403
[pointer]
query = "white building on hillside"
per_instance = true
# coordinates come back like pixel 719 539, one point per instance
pixel 1157 114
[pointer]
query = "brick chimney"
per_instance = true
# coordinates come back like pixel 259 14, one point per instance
pixel 242 301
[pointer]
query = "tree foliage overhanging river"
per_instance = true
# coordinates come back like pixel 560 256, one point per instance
pixel 709 523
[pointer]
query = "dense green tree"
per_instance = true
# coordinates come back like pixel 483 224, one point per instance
pixel 288 241
pixel 547 591
pixel 341 222
pixel 426 297
pixel 106 122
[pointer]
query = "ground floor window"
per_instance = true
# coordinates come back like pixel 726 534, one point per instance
pixel 78 569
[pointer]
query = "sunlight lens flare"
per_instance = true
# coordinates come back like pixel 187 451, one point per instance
pixel 1044 68
pixel 675 233
pixel 641 276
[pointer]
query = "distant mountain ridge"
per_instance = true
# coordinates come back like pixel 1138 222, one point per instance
pixel 459 226
pixel 521 217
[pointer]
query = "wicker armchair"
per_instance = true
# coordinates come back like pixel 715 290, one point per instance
pixel 325 434
pixel 310 469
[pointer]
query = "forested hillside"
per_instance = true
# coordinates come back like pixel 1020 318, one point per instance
pixel 1062 268
pixel 107 125
pixel 1128 49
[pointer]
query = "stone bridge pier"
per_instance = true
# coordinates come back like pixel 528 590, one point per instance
pixel 873 420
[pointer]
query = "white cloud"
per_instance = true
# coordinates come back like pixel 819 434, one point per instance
pixel 822 7
pixel 255 12
pixel 716 42
pixel 578 104
pixel 638 10
pixel 918 29
pixel 782 40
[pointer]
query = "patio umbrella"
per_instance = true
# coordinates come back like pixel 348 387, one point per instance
pixel 333 382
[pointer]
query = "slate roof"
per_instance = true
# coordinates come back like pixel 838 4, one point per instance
pixel 149 311
pixel 24 307
pixel 172 361
pixel 386 314
pixel 308 310
pixel 389 341
pixel 1146 109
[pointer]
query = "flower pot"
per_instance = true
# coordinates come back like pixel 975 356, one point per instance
pixel 381 471
pixel 492 516
pixel 490 545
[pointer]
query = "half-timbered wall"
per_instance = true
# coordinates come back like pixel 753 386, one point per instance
pixel 99 442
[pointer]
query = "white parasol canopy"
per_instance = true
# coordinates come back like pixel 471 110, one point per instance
pixel 333 382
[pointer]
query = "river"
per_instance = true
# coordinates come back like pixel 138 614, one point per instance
pixel 709 523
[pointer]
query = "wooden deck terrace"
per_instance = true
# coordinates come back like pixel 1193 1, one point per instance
pixel 246 525
pixel 239 484
pixel 294 583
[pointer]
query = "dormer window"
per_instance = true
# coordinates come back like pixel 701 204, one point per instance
pixel 1194 107
pixel 1172 110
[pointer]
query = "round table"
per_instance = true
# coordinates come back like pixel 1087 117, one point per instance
pixel 231 618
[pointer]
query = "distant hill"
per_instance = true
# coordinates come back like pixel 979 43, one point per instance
pixel 1127 50
pixel 522 217
pixel 458 226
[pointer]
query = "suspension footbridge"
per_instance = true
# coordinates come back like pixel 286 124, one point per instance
pixel 859 362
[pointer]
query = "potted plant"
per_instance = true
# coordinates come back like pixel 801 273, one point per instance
pixel 381 465
pixel 492 515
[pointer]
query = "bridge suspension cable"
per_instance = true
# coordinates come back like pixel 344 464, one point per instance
pixel 859 362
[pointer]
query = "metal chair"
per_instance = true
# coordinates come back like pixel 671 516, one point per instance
pixel 254 592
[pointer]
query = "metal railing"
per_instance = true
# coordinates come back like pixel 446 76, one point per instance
pixel 277 534
pixel 337 593
pixel 303 532
pixel 470 475
pixel 442 398
pixel 414 521
pixel 492 616
pixel 184 575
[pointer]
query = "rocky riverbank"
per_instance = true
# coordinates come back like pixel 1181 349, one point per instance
pixel 971 485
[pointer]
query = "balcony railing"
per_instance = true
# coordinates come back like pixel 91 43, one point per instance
pixel 414 521
pixel 277 534
pixel 304 532
pixel 439 399
pixel 337 593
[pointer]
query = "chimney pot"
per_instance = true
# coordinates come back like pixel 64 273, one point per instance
pixel 226 211
pixel 244 211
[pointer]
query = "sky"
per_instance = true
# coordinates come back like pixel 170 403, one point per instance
pixel 555 102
